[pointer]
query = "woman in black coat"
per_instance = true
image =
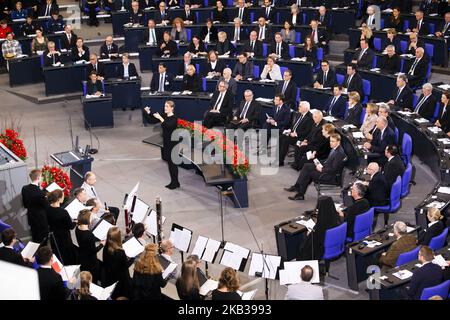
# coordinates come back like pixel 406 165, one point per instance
pixel 219 13
pixel 169 124
pixel 310 51
pixel 327 218
pixel 87 252
pixel 435 227
pixel 191 80
pixel 60 223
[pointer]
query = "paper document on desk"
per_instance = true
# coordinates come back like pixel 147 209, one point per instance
pixel 406 113
pixel 132 247
pixel 372 243
pixel 445 190
pixel 436 204
pixel 330 119
pixel 266 100
pixel 375 69
pixel 409 229
pixel 267 80
pixel 421 120
pixel 358 135
pixel 309 224
pixel 169 270
pixel 267 265
pixel 348 126
pixel 407 55
pixel 434 129
pixel 208 286
pixel 444 140
pixel 296 59
pixel 403 274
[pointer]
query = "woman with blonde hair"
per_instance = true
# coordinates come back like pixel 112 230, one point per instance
pixel 354 109
pixel 187 284
pixel 116 264
pixel 83 293
pixel 366 33
pixel 147 278
pixel 228 286
pixel 370 120
pixel 435 227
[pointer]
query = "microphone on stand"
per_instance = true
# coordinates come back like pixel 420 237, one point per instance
pixel 92 150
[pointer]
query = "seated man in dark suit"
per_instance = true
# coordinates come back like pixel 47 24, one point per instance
pixel 419 26
pixel 162 15
pixel 301 125
pixel 165 258
pixel 426 105
pixel 326 77
pixel 263 31
pixel 126 69
pixel 353 81
pixel 269 12
pixel 8 253
pixel 69 38
pixel 443 119
pixel 281 117
pixel 394 166
pixel 363 57
pixel 360 205
pixel 429 275
pixel 95 66
pixel 418 69
pixel 52 57
pixel 444 31
pixel 405 242
pixel 279 47
pixel 247 115
pixel 253 47
pixel 242 12
pixel 220 107
pixel 384 110
pixel 391 62
pixel 377 190
pixel 109 50
pixel 51 285
pixel 80 52
pixel 161 81
pixel 323 18
pixel 188 16
pixel 318 36
pixel 47 8
pixel 336 105
pixel 243 68
pixel 402 95
pixel 382 137
pixel 288 88
pixel 325 173
pixel 151 35
pixel 94 85
pixel 136 14
pixel 237 34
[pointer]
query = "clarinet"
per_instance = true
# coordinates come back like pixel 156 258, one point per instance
pixel 159 235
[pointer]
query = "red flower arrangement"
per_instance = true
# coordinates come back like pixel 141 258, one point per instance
pixel 55 174
pixel 10 138
pixel 240 164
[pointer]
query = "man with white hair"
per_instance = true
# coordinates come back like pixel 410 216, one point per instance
pixel 238 34
pixel 182 69
pixel 377 188
pixel 418 69
pixel 298 131
pixel 426 104
pixel 391 62
pixel 369 19
pixel 382 136
pixel 404 242
pixel 232 84
pixel 220 106
pixel 323 17
pixel 165 258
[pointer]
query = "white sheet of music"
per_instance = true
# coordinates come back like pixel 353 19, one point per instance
pixel 74 208
pixel 208 286
pixel 169 270
pixel 181 238
pixel 267 266
pixel 199 247
pixel 249 295
pixel 53 186
pixel 101 293
pixel 129 201
pixel 210 251
pixel 68 272
pixel 25 282
pixel 151 223
pixel 232 260
pixel 140 210
pixel 132 247
pixel 30 249
pixel 101 231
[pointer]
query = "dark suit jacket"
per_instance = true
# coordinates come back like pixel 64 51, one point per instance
pixel 355 84
pixel 100 69
pixel 220 16
pixel 366 60
pixel 423 29
pixel 271 15
pixel 378 144
pixel 104 53
pixel 396 43
pixel 420 72
pixel 358 207
pixel 258 52
pixel 136 17
pixel 36 204
pixel 224 47
pixel 226 108
pixel 304 127
pixel 53 7
pixel 10 255
pixel 193 83
pixel 92 88
pixel 284 49
pixel 377 191
pixel 76 57
pixel 391 65
pixel 393 169
pixel 168 85
pixel 66 44
pixel 283 117
pixel 428 108
pixel 405 99
pixel 51 285
pixel 317 142
pixel 159 17
pixel 192 16
pixel 290 94
pixel 339 107
pixel 426 235
pixel 269 37
pixel 219 67
pixel 131 71
pixel 242 34
pixel 335 162
pixel 325 22
pixel 299 19
pixel 146 4
pixel 354 115
pixel 146 35
pixel 429 275
pixel 212 33
pixel 171 46
pixel 245 71
pixel 252 112
pixel 444 118
pixel 321 36
pixel 330 81
pixel 245 15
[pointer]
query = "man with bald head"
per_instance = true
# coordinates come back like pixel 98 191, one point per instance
pixel 377 188
pixel 418 69
pixel 382 136
pixel 165 258
pixel 109 50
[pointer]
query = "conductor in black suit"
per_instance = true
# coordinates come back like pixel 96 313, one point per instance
pixel 402 96
pixel 363 57
pixel 326 77
pixel 323 172
pixel 253 47
pixel 95 66
pixel 353 81
pixel 169 123
pixel 417 72
pixel 126 69
pixel 426 105
pixel 301 125
pixel 360 205
pixel 288 88
pixel 377 188
pixel 382 137
pixel 109 50
pixel 394 166
pixel 220 107
pixel 8 253
pixel 36 204
pixel 247 115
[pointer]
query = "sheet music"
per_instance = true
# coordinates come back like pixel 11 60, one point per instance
pixel 268 268
pixel 69 272
pixel 181 238
pixel 129 201
pixel 291 272
pixel 199 247
pixel 30 249
pixel 101 231
pixel 233 255
pixel 140 210
pixel 74 208
pixel 52 187
pixel 210 251
pixel 208 286
pixel 249 295
pixel 169 270
pixel 151 223
pixel 132 247
pixel 25 282
pixel 101 293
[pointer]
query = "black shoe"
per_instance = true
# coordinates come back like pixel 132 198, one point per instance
pixel 173 186
pixel 281 164
pixel 291 189
pixel 298 196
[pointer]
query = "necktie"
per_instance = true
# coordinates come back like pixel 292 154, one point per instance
pixel 321 19
pixel 361 54
pixel 419 25
pixel 278 49
pixel 278 109
pixel 219 101
pixel 267 12
pixel 332 104
pixel 109 48
pixel 444 110
pixel 93 191
pixel 95 67
pixel 284 87
pixel 69 36
pixel 349 80
pixel 411 71
pixel 398 94
pixel 297 123
pixel 236 34
pixel 47 10
pixel 161 83
pixel 253 45
pixel 244 111
pixel 445 28
pixel 261 33
pixel 324 78
pixel 187 15
pixel 419 105
pixel 241 11
pixel 313 33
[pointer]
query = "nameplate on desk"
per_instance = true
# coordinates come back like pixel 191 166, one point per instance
pixel 176 93
pixel 434 130
pixel 267 81
pixel 375 70
pixel 372 243
pixel 444 141
pixel 445 190
pixel 145 88
pixel 406 113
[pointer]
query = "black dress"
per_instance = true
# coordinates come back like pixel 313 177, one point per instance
pixel 194 294
pixel 219 295
pixel 148 286
pixel 116 266
pixel 87 252
pixel 60 223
